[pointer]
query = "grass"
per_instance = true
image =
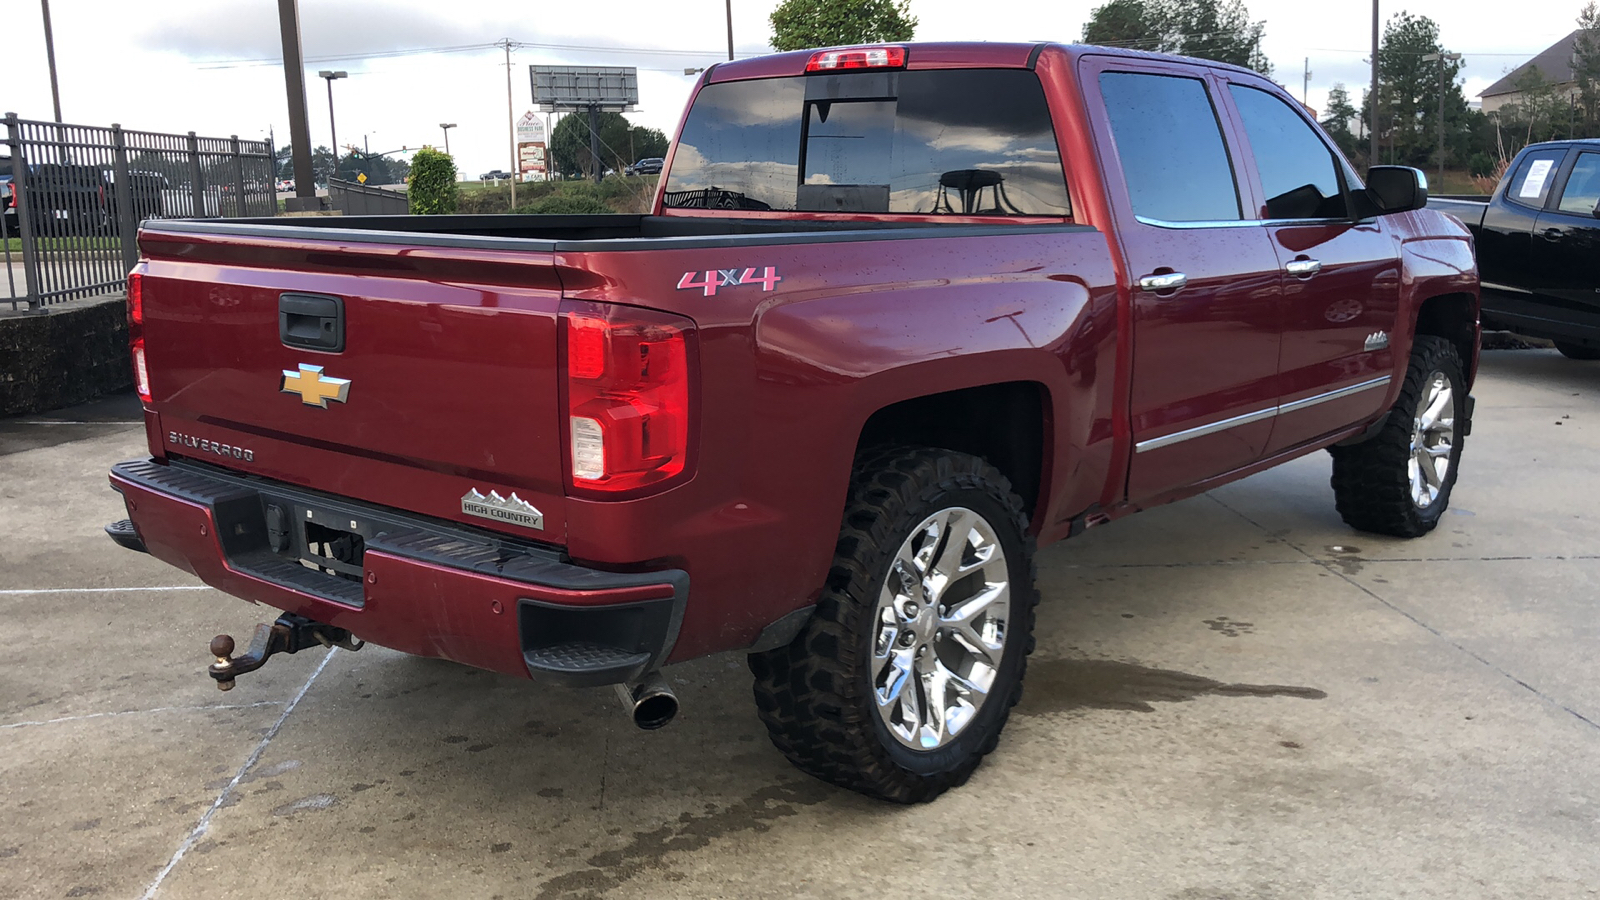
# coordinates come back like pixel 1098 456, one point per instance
pixel 92 242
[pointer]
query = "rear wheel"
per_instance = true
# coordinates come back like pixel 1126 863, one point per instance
pixel 1578 351
pixel 1398 482
pixel 904 678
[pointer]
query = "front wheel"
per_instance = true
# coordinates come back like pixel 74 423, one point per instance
pixel 1398 482
pixel 906 674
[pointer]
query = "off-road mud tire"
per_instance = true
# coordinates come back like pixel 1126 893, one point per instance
pixel 815 694
pixel 1371 483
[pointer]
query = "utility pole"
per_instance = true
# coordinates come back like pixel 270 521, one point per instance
pixel 511 123
pixel 1305 87
pixel 294 78
pixel 50 54
pixel 730 30
pixel 1372 98
pixel 1441 58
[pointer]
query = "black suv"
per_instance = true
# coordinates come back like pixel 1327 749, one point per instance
pixel 648 166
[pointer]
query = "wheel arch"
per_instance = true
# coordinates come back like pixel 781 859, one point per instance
pixel 1453 317
pixel 1005 423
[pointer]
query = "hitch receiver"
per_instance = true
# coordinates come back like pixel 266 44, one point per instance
pixel 290 634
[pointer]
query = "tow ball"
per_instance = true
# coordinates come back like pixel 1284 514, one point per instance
pixel 290 634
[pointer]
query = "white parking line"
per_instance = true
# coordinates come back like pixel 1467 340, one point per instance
pixel 205 820
pixel 140 712
pixel 19 592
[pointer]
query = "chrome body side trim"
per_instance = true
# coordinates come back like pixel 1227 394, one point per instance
pixel 1178 437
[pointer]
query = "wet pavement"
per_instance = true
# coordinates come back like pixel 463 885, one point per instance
pixel 1233 697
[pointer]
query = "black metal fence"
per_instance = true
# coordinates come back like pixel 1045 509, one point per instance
pixel 75 196
pixel 356 199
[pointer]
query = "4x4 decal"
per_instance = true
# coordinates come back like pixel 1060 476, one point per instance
pixel 713 279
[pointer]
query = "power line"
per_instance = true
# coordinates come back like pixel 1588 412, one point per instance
pixel 416 51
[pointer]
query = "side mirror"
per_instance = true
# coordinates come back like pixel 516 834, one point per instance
pixel 1597 210
pixel 1394 189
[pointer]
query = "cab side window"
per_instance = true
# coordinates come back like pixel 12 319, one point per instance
pixel 1530 185
pixel 1581 196
pixel 1298 171
pixel 1170 144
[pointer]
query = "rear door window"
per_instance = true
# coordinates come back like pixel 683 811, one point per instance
pixel 1581 196
pixel 1530 184
pixel 1170 143
pixel 939 142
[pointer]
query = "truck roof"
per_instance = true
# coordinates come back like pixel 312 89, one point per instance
pixel 945 55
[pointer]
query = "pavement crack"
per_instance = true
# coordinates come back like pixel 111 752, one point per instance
pixel 201 827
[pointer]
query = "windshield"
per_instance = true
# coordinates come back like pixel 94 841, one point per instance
pixel 950 142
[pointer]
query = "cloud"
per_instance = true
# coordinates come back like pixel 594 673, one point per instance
pixel 221 30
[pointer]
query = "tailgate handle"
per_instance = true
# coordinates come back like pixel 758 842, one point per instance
pixel 311 322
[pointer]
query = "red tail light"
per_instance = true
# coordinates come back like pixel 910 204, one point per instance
pixel 141 372
pixel 857 58
pixel 628 384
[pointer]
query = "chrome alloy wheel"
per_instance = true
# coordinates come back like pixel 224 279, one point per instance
pixel 1433 437
pixel 941 628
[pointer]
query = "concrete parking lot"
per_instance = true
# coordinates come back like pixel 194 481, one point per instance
pixel 1233 697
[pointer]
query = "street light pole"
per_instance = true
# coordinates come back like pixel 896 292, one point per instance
pixel 730 30
pixel 333 129
pixel 1441 58
pixel 447 127
pixel 50 54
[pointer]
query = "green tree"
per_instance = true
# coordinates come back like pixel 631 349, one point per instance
pixel 1219 30
pixel 1586 66
pixel 1408 93
pixel 805 24
pixel 1337 119
pixel 1125 23
pixel 621 144
pixel 433 190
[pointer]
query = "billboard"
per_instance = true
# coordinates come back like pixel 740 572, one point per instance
pixel 608 88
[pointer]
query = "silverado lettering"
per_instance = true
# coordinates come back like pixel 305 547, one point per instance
pixel 205 446
pixel 963 360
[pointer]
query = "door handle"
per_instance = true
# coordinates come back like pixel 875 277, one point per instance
pixel 1160 284
pixel 1551 234
pixel 1303 268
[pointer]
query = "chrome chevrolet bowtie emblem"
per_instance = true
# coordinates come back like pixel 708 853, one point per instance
pixel 1377 340
pixel 511 509
pixel 314 388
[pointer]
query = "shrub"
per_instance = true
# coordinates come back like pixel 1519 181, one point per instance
pixel 433 190
pixel 565 205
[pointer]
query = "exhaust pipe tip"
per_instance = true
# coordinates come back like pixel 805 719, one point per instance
pixel 649 701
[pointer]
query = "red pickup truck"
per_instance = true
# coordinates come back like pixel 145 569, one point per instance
pixel 901 315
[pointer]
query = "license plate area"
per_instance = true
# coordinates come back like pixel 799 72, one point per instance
pixel 327 540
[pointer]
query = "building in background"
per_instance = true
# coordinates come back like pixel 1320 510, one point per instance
pixel 1555 64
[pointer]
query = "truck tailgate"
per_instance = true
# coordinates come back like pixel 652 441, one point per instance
pixel 446 382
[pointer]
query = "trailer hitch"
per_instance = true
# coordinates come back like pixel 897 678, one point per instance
pixel 290 634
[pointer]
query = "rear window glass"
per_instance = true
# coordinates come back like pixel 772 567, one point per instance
pixel 1170 143
pixel 960 142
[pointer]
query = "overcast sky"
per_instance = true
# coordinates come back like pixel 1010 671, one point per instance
pixel 211 66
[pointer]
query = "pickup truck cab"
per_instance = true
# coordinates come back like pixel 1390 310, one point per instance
pixel 902 314
pixel 1538 241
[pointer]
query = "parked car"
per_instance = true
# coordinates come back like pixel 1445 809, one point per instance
pixel 65 199
pixel 1539 245
pixel 495 175
pixel 285 185
pixel 8 202
pixel 830 434
pixel 145 189
pixel 650 166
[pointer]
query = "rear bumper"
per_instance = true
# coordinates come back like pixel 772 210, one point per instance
pixel 425 587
